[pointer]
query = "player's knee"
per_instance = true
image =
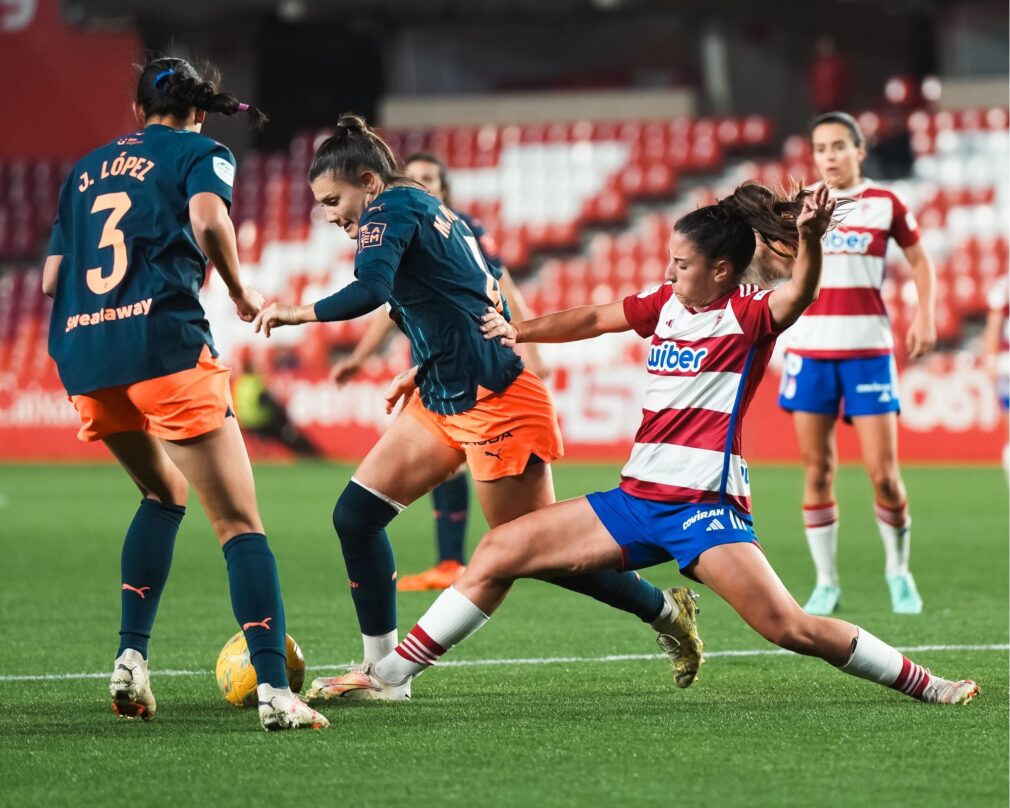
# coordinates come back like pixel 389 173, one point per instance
pixel 886 483
pixel 789 630
pixel 495 558
pixel 171 491
pixel 820 473
pixel 359 516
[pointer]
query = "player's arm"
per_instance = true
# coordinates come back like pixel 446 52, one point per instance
pixel 991 340
pixel 50 274
pixel 215 235
pixel 921 337
pixel 787 302
pixel 520 310
pixel 571 325
pixel 379 326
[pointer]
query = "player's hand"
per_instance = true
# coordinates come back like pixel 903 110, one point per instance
pixel 815 218
pixel 402 386
pixel 248 303
pixel 345 370
pixel 495 325
pixel 921 337
pixel 274 316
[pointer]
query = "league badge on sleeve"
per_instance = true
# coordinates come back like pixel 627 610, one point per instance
pixel 370 235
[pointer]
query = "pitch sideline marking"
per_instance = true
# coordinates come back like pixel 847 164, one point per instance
pixel 474 663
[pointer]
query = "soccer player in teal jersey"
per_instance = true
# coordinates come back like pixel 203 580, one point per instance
pixel 137 221
pixel 474 401
pixel 451 499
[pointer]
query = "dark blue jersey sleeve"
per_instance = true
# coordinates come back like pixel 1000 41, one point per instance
pixel 384 233
pixel 211 170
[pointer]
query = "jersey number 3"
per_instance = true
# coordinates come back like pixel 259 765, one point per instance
pixel 119 203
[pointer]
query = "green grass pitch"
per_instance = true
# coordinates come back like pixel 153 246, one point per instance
pixel 755 730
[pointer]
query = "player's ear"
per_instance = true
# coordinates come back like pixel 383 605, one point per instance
pixel 723 270
pixel 199 117
pixel 138 113
pixel 369 181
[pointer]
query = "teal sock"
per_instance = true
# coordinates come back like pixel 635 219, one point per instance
pixel 452 506
pixel 144 568
pixel 257 604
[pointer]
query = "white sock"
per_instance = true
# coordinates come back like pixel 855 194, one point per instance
pixel 377 646
pixel 896 533
pixel 451 619
pixel 877 661
pixel 821 526
pixel 665 613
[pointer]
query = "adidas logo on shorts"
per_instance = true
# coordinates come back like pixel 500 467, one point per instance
pixel 715 524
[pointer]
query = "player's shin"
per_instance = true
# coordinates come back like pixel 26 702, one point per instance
pixel 360 518
pixel 452 504
pixel 258 606
pixel 451 619
pixel 145 564
pixel 627 591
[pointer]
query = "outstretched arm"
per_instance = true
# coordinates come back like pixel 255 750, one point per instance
pixel 791 299
pixel 571 325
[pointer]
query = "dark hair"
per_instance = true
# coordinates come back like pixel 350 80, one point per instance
pixel 842 118
pixel 726 229
pixel 443 171
pixel 173 87
pixel 352 148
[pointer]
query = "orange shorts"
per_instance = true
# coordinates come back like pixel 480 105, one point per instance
pixel 502 430
pixel 177 406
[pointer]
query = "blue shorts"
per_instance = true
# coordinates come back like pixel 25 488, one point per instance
pixel 651 533
pixel 868 385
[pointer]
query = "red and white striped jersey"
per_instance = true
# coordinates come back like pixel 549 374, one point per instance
pixel 848 319
pixel 703 366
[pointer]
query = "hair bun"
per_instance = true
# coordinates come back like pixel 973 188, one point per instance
pixel 352 125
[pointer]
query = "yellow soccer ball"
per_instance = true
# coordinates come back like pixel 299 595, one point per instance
pixel 236 675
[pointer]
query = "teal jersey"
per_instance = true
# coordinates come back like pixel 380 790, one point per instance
pixel 424 260
pixel 126 306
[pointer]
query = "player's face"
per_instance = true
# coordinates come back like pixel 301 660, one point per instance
pixel 344 202
pixel 428 175
pixel 836 155
pixel 696 280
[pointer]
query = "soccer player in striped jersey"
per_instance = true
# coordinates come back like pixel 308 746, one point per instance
pixel 685 492
pixel 470 400
pixel 452 498
pixel 137 220
pixel 842 350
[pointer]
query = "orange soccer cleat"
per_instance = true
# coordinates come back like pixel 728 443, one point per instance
pixel 441 576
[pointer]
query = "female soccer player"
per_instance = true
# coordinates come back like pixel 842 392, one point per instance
pixel 452 498
pixel 474 402
pixel 842 349
pixel 685 492
pixel 137 220
pixel 996 351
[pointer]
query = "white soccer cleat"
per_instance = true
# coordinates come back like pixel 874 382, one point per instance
pixel 130 687
pixel 359 684
pixel 281 709
pixel 945 691
pixel 677 635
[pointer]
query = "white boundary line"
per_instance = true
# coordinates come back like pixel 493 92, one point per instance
pixel 474 663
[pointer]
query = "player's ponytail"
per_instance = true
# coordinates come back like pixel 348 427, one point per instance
pixel 173 87
pixel 353 148
pixel 726 230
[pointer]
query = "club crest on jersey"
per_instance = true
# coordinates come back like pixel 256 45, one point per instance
pixel 370 235
pixel 850 243
pixel 670 357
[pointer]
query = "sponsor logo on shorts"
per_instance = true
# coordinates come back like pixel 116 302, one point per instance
pixel 703 515
pixel 883 388
pixel 715 524
pixel 735 522
pixel 495 439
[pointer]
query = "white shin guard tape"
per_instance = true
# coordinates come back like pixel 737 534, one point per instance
pixel 873 659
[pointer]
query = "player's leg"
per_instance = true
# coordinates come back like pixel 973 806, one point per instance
pixel 878 440
pixel 144 564
pixel 811 390
pixel 407 462
pixel 741 575
pixel 451 503
pixel 815 433
pixel 217 465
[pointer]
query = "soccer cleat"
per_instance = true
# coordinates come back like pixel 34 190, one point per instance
pixel 678 635
pixel 281 709
pixel 441 576
pixel 359 684
pixel 824 600
pixel 130 687
pixel 905 597
pixel 944 691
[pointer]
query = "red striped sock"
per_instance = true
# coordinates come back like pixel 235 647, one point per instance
pixel 820 515
pixel 895 517
pixel 912 680
pixel 419 648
